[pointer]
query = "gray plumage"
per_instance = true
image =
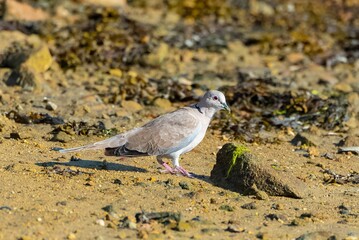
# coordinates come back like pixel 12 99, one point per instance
pixel 167 136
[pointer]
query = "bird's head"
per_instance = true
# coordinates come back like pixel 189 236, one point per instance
pixel 215 99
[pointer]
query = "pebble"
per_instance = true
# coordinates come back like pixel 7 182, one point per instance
pixel 184 185
pixel 226 208
pixel 277 206
pixel 163 104
pixel 317 235
pixel 51 106
pixel 251 205
pixel 25 238
pixel 122 235
pixel 183 226
pixel 100 222
pixel 71 236
pixel 132 225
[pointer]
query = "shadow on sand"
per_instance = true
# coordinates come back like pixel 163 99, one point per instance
pixel 100 165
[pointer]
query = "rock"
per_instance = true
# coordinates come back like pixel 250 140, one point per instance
pixel 116 72
pixel 226 208
pixel 343 87
pixel 106 3
pixel 71 236
pixel 40 61
pixel 100 222
pixel 295 58
pixel 61 137
pixel 51 106
pixel 184 185
pixel 183 226
pixel 22 11
pixel 251 206
pixel 27 57
pixel 25 238
pixel 15 135
pixel 260 7
pixel 163 104
pixel 245 74
pixel 238 170
pixel 320 235
pixel 302 139
pixel 131 106
pixel 157 57
pixel 349 141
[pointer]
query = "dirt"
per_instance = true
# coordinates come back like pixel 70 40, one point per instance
pixel 48 196
pixel 89 72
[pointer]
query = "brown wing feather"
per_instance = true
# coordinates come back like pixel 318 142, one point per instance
pixel 164 133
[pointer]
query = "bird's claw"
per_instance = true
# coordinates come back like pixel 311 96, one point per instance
pixel 177 169
pixel 183 171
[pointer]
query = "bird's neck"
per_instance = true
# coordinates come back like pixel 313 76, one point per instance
pixel 208 112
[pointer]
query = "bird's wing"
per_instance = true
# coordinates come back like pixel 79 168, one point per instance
pixel 166 134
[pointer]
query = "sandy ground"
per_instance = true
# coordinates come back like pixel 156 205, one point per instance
pixel 47 196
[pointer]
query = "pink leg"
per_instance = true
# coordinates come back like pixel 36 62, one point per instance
pixel 166 166
pixel 183 171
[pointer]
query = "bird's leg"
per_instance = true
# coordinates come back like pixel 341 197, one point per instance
pixel 183 171
pixel 180 169
pixel 165 165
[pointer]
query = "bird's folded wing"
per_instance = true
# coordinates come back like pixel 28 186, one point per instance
pixel 166 134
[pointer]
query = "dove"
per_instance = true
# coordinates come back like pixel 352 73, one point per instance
pixel 167 136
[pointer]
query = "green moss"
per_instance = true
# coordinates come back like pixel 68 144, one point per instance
pixel 237 152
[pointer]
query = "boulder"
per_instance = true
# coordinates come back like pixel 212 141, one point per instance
pixel 239 170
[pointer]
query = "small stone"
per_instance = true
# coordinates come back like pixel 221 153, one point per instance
pixel 300 140
pixel 234 229
pixel 111 225
pixel 116 72
pixel 163 103
pixel 71 236
pixel 122 235
pixel 183 226
pixel 131 106
pixel 313 151
pixel 15 135
pixel 132 225
pixel 158 55
pixel 61 137
pixel 25 238
pixel 39 61
pixel 226 208
pixel 343 87
pixel 184 185
pixel 100 222
pixel 251 205
pixel 343 209
pixel 117 181
pixel 277 206
pixel 295 58
pixel 51 106
pixel 317 235
pixel 351 238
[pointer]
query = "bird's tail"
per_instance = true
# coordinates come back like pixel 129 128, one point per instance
pixel 108 143
pixel 77 149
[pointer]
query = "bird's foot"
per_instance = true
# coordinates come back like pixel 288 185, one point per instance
pixel 183 171
pixel 167 169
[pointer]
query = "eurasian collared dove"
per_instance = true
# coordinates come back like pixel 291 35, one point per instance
pixel 167 136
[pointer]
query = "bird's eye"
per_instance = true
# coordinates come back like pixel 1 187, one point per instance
pixel 215 98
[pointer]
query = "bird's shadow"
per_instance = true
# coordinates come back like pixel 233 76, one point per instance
pixel 93 164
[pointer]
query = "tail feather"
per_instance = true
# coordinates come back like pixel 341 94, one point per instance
pixel 77 149
pixel 115 141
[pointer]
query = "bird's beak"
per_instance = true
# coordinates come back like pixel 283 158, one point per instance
pixel 225 107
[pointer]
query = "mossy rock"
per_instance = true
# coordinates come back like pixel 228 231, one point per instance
pixel 239 170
